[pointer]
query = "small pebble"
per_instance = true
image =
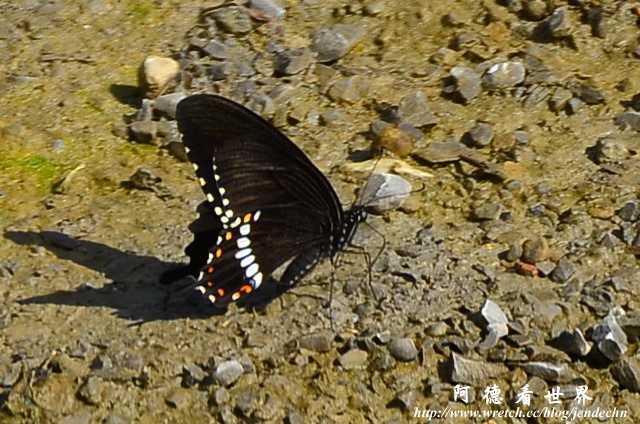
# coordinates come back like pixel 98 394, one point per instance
pixel 156 74
pixel 320 342
pixel 349 90
pixel 403 349
pixel 504 75
pixel 291 62
pixel 415 110
pixel 228 372
pixel 468 82
pixel 333 43
pixel 272 8
pixel 143 131
pixel 384 192
pixel 233 19
pixel 168 103
pixel 396 141
pixel 535 250
pixel 481 134
pixel 354 359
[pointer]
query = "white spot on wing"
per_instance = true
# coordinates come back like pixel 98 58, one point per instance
pixel 212 298
pixel 256 215
pixel 202 181
pixel 257 280
pixel 201 289
pixel 245 229
pixel 225 202
pixel 248 261
pixel 243 242
pixel 218 210
pixel 242 253
pixel 229 213
pixel 235 222
pixel 210 197
pixel 252 270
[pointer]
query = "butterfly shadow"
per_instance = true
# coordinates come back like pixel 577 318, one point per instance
pixel 135 293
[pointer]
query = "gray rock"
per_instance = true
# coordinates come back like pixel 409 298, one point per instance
pixel 627 374
pixel 472 372
pixel 514 252
pixel 629 212
pixel 415 110
pixel 446 151
pixel 503 75
pixel 547 371
pixel 291 62
pixel 228 372
pixel 406 400
pixel 233 19
pixel 383 362
pixel 220 71
pixel 403 349
pixel 628 120
pixel 573 105
pixel 494 322
pixel 563 271
pixel 521 137
pixel 468 82
pixel 487 211
pixel 555 26
pixel 216 50
pixel 271 8
pixel 535 94
pixel 320 342
pixel 333 43
pixel 492 314
pixel 385 192
pixel 610 340
pixel 481 134
pixel 586 92
pixel 167 104
pixel 331 117
pixel 535 250
pixel 92 391
pixel 559 99
pixel 572 342
pixel 608 150
pixel 143 131
pixel 178 398
pixel 354 359
pixel 349 90
pixel 192 375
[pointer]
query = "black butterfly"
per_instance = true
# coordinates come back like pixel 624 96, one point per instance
pixel 267 204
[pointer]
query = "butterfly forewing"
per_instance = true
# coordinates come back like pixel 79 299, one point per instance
pixel 272 203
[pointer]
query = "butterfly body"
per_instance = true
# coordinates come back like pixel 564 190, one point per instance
pixel 267 204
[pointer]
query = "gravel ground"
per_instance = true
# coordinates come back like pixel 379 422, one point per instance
pixel 514 265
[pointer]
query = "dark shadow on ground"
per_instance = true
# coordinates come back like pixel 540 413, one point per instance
pixel 135 293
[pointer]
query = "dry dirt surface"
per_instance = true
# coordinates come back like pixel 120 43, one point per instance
pixel 513 263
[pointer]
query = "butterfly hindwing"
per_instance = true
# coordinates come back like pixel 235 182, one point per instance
pixel 271 203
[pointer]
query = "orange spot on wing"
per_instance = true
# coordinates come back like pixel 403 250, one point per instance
pixel 228 236
pixel 218 253
pixel 209 283
pixel 210 270
pixel 221 292
pixel 245 289
pixel 247 218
